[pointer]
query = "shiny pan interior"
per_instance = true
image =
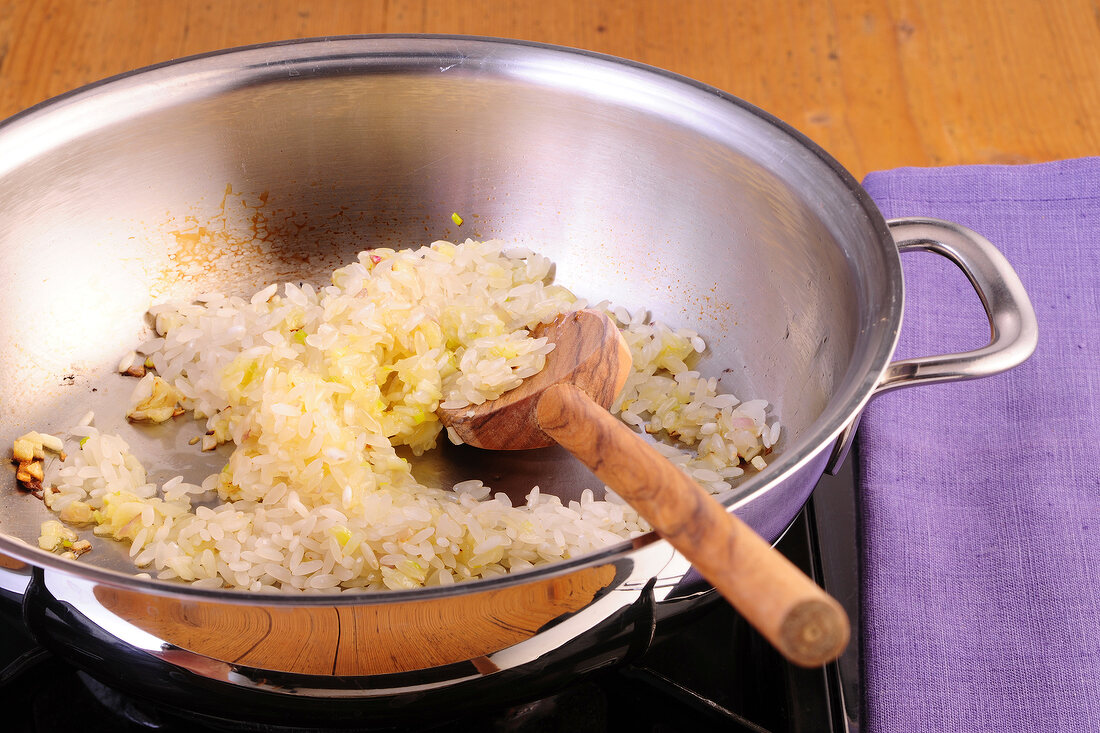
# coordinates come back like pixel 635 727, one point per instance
pixel 280 162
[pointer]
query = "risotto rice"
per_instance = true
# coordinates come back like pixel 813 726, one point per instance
pixel 316 388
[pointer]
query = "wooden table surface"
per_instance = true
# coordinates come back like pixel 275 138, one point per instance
pixel 878 83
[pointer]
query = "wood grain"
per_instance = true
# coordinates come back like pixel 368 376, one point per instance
pixel 359 640
pixel 10 563
pixel 878 83
pixel 567 402
pixel 804 623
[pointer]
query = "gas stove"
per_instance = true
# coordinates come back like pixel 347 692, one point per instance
pixel 710 672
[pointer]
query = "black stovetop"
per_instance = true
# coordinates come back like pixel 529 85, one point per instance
pixel 715 673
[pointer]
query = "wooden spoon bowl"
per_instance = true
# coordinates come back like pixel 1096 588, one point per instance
pixel 589 353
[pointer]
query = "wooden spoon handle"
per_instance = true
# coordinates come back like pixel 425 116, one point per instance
pixel 804 623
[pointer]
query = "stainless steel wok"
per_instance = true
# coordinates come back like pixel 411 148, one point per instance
pixel 230 170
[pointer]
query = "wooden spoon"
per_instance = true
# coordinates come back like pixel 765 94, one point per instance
pixel 567 403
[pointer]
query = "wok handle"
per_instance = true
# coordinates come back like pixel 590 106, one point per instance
pixel 789 609
pixel 1014 331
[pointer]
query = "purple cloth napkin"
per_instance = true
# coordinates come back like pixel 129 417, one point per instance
pixel 980 500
